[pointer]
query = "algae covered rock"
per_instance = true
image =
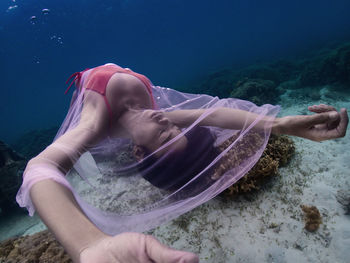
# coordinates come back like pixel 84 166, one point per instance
pixel 259 91
pixel 38 248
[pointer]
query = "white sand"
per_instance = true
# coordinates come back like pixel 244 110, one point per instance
pixel 270 228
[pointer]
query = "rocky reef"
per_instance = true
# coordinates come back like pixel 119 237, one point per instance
pixel 13 162
pixel 32 143
pixel 223 82
pixel 11 169
pixel 329 66
pixel 38 248
pixel 265 82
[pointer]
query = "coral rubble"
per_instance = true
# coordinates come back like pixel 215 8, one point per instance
pixel 277 153
pixel 39 248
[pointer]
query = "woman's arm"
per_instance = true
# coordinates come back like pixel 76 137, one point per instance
pixel 326 124
pixel 222 117
pixel 54 202
pixel 59 211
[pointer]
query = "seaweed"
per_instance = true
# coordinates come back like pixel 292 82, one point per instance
pixel 40 247
pixel 312 218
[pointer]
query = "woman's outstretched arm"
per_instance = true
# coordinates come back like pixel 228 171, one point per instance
pixel 326 124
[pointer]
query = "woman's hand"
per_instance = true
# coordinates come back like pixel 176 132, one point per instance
pixel 133 248
pixel 326 124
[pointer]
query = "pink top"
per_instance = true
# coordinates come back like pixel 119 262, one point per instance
pixel 98 79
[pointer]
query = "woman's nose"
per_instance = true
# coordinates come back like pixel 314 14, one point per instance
pixel 163 120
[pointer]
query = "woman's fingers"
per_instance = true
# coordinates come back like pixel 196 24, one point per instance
pixel 334 127
pixel 326 124
pixel 333 120
pixel 160 253
pixel 321 108
pixel 344 121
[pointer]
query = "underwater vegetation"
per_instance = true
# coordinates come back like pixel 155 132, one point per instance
pixel 312 218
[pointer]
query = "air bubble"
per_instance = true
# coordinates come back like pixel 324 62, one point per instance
pixel 33 19
pixel 45 11
pixel 57 39
pixel 11 7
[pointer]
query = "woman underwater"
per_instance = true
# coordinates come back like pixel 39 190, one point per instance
pixel 113 102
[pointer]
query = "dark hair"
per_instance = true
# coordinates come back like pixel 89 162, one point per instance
pixel 174 169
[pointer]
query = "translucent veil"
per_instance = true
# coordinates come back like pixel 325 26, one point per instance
pixel 120 193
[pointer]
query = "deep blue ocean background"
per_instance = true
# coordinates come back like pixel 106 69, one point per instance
pixel 174 43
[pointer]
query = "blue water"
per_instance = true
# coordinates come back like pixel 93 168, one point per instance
pixel 172 42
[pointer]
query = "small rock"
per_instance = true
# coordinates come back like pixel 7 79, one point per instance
pixel 343 197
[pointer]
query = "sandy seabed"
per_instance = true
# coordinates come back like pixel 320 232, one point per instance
pixel 270 226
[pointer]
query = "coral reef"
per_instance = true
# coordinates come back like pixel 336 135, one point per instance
pixel 277 153
pixel 11 168
pixel 39 248
pixel 312 218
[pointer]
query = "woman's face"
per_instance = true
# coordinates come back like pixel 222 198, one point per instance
pixel 154 130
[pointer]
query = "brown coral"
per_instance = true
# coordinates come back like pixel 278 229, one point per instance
pixel 278 152
pixel 39 248
pixel 312 218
